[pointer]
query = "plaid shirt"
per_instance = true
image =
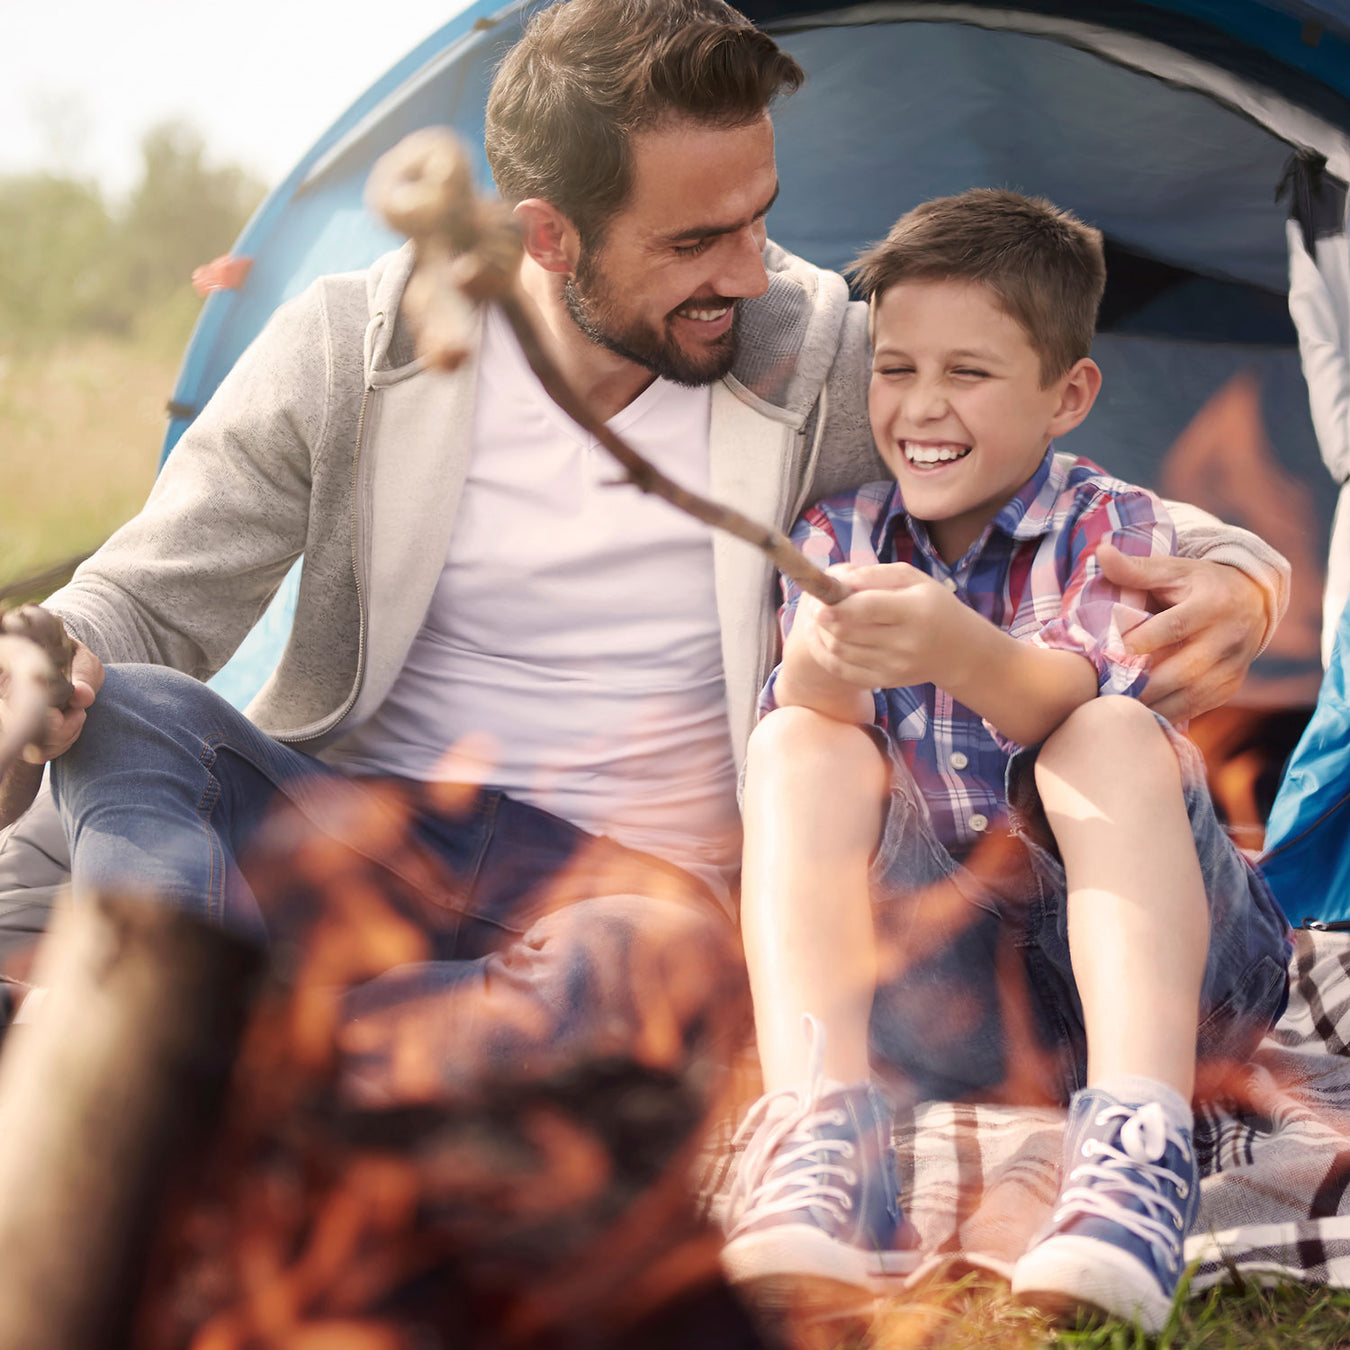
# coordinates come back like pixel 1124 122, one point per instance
pixel 1033 572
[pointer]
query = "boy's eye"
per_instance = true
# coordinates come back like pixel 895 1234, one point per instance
pixel 972 372
pixel 892 370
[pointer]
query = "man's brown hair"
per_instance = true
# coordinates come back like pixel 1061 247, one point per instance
pixel 587 74
pixel 1044 265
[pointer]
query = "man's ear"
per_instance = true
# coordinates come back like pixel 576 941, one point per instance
pixel 550 237
pixel 1079 392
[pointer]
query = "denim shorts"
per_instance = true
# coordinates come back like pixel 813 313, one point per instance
pixel 975 994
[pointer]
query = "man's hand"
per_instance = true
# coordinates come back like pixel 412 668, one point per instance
pixel 63 725
pixel 1202 643
pixel 36 732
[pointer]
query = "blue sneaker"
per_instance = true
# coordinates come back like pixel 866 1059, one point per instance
pixel 1130 1193
pixel 814 1216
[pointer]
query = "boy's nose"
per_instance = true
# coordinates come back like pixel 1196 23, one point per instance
pixel 926 402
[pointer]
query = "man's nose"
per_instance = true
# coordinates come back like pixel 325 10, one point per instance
pixel 743 275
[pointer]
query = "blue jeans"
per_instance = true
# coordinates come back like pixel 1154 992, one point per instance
pixel 977 996
pixel 523 943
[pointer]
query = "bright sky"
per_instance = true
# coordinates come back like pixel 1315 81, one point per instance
pixel 81 80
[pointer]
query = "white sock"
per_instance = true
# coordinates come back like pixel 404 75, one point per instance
pixel 1135 1090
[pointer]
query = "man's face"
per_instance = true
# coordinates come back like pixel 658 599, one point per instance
pixel 662 288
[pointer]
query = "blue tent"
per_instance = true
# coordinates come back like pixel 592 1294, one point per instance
pixel 1170 124
pixel 1307 860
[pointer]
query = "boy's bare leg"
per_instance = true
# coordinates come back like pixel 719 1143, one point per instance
pixel 814 795
pixel 1138 920
pixel 1138 923
pixel 813 1217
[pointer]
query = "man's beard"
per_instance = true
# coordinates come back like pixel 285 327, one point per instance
pixel 593 308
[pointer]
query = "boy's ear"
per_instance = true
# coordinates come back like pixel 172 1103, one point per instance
pixel 1080 389
pixel 550 237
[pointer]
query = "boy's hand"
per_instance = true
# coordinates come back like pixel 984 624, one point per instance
pixel 807 676
pixel 1203 642
pixel 900 627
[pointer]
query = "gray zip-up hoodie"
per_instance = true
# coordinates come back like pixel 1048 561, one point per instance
pixel 330 440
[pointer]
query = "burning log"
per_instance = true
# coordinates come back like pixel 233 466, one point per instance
pixel 468 253
pixel 110 1088
pixel 542 1212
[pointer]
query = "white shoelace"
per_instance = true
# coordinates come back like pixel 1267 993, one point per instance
pixel 779 1134
pixel 1143 1140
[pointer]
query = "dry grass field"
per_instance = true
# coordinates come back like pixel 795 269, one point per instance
pixel 80 431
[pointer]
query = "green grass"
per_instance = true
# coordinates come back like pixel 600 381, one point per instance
pixel 977 1313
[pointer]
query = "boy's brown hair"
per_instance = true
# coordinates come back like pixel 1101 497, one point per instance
pixel 587 74
pixel 1044 265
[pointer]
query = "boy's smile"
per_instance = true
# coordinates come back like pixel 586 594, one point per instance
pixel 957 406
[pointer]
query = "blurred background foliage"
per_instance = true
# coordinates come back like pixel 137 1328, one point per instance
pixel 96 307
pixel 71 263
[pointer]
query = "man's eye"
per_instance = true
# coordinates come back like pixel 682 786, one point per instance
pixel 693 250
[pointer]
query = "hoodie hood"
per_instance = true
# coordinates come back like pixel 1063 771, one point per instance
pixel 390 353
pixel 790 336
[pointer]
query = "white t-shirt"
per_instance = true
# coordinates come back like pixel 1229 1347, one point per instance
pixel 571 655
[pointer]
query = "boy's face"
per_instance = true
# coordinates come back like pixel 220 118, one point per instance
pixel 957 407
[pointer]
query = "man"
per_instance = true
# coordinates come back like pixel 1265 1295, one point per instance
pixel 477 608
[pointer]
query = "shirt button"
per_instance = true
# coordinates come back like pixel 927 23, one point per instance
pixel 959 761
pixel 949 583
pixel 979 823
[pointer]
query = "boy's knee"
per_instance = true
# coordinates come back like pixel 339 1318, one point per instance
pixel 798 739
pixel 1111 733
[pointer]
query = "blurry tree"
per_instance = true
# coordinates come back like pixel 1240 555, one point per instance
pixel 182 213
pixel 54 239
pixel 69 263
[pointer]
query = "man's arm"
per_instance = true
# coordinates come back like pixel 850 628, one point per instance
pixel 184 580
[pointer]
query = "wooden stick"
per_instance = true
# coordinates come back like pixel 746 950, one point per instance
pixel 646 477
pixel 468 253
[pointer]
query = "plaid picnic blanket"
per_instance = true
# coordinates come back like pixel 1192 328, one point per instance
pixel 1274 1149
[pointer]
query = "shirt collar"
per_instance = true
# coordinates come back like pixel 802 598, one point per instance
pixel 1028 514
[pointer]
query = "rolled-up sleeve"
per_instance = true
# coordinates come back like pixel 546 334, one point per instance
pixel 1096 614
pixel 815 535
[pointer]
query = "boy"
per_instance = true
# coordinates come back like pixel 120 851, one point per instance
pixel 1118 923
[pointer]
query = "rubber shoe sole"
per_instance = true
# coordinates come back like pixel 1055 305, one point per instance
pixel 803 1252
pixel 1066 1277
